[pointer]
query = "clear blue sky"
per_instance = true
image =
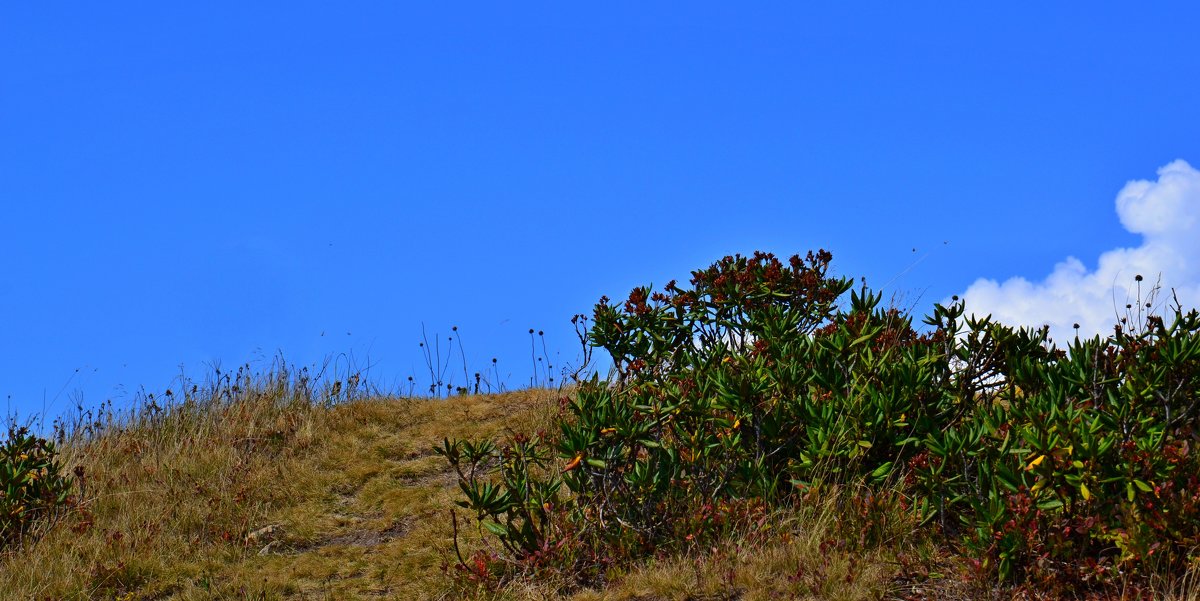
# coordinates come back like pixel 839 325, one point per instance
pixel 215 182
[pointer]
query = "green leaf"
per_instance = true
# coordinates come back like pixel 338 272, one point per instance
pixel 1143 486
pixel 1006 478
pixel 862 339
pixel 1050 504
pixel 882 471
pixel 494 528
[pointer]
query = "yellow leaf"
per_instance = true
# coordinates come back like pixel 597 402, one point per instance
pixel 574 463
pixel 1036 487
pixel 1035 462
pixel 1083 490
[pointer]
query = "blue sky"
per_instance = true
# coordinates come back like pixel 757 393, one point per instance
pixel 213 183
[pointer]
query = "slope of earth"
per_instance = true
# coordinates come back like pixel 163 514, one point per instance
pixel 259 491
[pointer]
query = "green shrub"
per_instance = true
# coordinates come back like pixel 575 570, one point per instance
pixel 752 388
pixel 32 485
pixel 1090 453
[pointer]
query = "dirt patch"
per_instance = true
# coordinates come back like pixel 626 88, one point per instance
pixel 437 479
pixel 366 538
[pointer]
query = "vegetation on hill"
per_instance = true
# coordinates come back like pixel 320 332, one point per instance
pixel 761 436
pixel 753 390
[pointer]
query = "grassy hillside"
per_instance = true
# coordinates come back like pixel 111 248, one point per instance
pixel 758 439
pixel 257 489
pixel 261 488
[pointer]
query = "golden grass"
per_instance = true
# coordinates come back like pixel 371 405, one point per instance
pixel 267 495
pixel 799 567
pixel 271 494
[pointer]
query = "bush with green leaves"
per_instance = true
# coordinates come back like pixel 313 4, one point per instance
pixel 32 485
pixel 754 387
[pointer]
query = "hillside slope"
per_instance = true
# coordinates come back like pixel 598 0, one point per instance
pixel 262 494
pixel 263 488
pixel 255 490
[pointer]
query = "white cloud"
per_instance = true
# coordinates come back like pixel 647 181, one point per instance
pixel 1167 215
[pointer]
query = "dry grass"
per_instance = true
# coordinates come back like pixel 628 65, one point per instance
pixel 803 564
pixel 262 494
pixel 801 555
pixel 268 493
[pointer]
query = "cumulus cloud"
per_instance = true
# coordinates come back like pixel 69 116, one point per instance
pixel 1165 212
